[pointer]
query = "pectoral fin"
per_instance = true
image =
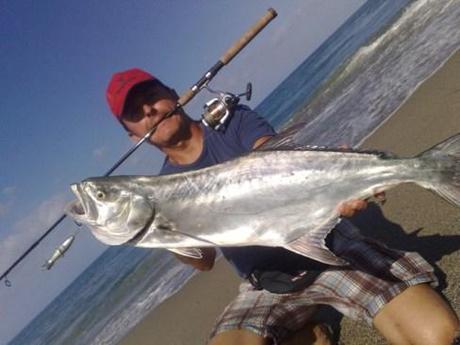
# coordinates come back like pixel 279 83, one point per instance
pixel 163 233
pixel 312 245
pixel 323 255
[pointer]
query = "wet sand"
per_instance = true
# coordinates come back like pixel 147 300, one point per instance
pixel 411 219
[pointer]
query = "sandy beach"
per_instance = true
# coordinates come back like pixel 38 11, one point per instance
pixel 412 219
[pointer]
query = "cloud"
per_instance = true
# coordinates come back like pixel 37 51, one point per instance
pixel 8 195
pixel 4 208
pixel 100 152
pixel 9 190
pixel 27 230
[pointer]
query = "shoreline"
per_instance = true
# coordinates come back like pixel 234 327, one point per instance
pixel 419 221
pixel 368 136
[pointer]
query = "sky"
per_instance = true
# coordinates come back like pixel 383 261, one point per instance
pixel 56 58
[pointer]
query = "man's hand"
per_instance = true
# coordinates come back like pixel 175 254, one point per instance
pixel 349 208
pixel 204 264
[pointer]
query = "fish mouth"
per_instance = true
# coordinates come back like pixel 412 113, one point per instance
pixel 76 208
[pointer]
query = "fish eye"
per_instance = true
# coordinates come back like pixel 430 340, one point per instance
pixel 100 195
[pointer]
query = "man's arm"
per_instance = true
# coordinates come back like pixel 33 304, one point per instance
pixel 261 141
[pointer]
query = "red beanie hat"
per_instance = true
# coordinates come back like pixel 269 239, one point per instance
pixel 119 86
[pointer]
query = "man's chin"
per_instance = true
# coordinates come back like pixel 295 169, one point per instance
pixel 169 132
pixel 164 141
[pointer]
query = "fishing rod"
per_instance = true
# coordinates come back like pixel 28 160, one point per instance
pixel 182 101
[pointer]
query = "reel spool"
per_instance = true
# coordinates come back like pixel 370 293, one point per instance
pixel 218 110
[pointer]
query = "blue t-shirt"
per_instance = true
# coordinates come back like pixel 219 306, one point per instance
pixel 238 138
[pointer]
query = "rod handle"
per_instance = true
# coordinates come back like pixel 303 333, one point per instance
pixel 248 36
pixel 186 97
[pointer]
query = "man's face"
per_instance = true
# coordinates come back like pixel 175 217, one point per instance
pixel 147 107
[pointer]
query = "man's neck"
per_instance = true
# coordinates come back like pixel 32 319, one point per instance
pixel 188 150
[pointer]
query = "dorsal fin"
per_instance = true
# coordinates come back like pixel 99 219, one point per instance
pixel 299 147
pixel 286 140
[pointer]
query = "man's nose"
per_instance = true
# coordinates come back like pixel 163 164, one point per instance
pixel 148 110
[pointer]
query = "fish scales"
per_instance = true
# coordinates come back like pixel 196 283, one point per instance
pixel 281 199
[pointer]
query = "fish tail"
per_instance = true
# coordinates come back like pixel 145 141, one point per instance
pixel 443 163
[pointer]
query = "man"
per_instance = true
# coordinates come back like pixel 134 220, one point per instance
pixel 388 289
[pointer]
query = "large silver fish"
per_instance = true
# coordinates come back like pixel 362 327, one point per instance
pixel 286 198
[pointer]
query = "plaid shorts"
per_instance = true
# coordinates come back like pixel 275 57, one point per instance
pixel 376 274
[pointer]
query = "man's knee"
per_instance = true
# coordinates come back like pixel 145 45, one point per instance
pixel 441 332
pixel 444 331
pixel 419 316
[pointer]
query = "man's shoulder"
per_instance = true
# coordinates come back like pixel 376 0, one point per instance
pixel 244 116
pixel 243 109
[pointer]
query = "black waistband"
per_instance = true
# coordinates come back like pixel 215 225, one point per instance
pixel 281 282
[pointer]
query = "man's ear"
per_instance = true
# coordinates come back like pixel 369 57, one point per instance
pixel 134 137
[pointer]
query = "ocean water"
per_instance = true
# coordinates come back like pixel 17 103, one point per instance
pixel 340 94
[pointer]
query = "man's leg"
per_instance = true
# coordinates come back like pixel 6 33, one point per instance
pixel 417 316
pixel 257 317
pixel 311 334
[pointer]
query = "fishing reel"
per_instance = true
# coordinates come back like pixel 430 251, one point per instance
pixel 219 110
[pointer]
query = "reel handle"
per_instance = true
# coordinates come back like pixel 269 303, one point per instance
pixel 248 93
